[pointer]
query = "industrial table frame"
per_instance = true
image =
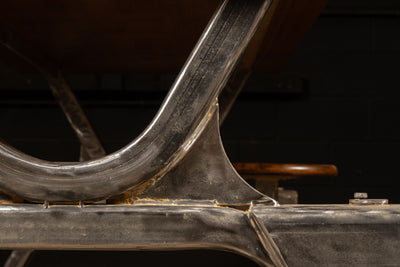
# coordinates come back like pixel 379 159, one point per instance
pixel 173 186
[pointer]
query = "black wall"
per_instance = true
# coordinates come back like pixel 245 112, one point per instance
pixel 343 108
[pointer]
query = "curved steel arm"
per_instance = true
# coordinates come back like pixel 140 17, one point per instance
pixel 182 116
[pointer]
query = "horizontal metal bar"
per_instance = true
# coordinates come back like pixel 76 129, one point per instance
pixel 335 235
pixel 306 235
pixel 147 226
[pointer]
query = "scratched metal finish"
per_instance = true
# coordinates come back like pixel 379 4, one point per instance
pixel 180 225
pixel 334 235
pixel 181 118
pixel 307 235
pixel 205 173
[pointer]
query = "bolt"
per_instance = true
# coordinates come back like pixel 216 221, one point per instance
pixel 360 195
pixel 361 198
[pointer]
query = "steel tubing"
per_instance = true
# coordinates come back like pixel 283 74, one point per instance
pixel 182 116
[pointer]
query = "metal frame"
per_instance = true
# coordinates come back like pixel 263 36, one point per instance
pixel 182 190
pixel 298 235
pixel 181 119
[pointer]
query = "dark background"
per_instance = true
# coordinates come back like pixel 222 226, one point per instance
pixel 335 102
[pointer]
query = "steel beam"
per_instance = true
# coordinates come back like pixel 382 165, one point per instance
pixel 303 235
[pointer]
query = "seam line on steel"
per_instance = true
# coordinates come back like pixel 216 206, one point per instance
pixel 266 240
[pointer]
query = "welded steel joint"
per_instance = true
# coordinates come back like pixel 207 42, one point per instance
pixel 183 120
pixel 185 194
pixel 178 157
